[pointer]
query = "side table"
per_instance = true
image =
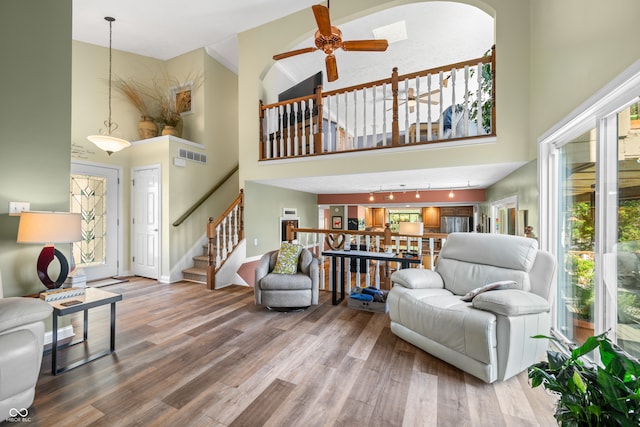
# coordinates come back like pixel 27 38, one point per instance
pixel 92 298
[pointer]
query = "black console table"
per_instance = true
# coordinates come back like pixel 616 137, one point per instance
pixel 362 256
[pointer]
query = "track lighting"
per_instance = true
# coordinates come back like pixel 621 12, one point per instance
pixel 417 194
pixel 390 195
pixel 371 197
pixel 451 195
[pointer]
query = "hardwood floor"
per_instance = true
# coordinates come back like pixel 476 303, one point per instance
pixel 190 357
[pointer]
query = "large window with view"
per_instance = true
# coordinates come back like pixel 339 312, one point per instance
pixel 590 179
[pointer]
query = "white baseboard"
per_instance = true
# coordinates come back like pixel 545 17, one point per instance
pixel 65 333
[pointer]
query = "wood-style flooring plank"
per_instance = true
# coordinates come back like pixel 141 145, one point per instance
pixel 192 357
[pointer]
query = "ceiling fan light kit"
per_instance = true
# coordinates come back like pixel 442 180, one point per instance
pixel 329 38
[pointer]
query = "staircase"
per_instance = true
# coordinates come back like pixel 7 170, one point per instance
pixel 225 251
pixel 197 273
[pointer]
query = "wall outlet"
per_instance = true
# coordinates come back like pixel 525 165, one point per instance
pixel 16 207
pixel 255 242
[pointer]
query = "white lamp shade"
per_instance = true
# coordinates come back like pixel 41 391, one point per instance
pixel 49 227
pixel 108 143
pixel 411 228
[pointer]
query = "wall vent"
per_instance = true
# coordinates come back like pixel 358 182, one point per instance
pixel 192 155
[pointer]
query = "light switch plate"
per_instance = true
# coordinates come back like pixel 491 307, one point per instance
pixel 16 207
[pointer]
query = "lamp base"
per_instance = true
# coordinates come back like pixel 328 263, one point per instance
pixel 46 256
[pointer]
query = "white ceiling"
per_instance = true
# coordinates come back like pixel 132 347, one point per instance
pixel 438 33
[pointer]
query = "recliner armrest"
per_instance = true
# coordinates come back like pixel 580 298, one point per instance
pixel 18 311
pixel 417 278
pixel 262 269
pixel 511 302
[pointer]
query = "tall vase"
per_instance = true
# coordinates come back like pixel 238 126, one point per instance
pixel 147 128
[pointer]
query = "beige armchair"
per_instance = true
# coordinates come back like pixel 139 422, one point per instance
pixel 21 345
pixel 291 291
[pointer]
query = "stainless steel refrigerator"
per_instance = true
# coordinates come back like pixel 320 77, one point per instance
pixel 450 224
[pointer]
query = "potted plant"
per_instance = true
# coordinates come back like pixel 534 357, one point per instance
pixel 144 100
pixel 591 394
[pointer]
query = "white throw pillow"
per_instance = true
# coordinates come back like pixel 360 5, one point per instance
pixel 503 284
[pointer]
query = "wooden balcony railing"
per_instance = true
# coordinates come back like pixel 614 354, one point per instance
pixel 453 102
pixel 317 240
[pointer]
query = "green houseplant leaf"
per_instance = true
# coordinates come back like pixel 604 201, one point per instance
pixel 591 394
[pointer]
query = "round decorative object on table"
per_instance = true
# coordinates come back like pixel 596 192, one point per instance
pixel 46 256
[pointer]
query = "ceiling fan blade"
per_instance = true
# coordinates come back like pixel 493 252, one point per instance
pixel 433 92
pixel 332 68
pixel 294 52
pixel 367 45
pixel 321 14
pixel 424 101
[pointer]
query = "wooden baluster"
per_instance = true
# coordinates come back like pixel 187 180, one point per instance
pixel 230 233
pixel 346 121
pixel 287 143
pixel 395 127
pixel 374 127
pixel 417 108
pixel 492 122
pixel 365 142
pixel 261 116
pixel 281 121
pixel 355 120
pixel 316 142
pixel 431 252
pixel 465 110
pixel 429 118
pixel 296 132
pixel 211 269
pixel 454 109
pixel 406 111
pixel 441 118
pixel 218 245
pixel 384 115
pixel 312 135
pixel 303 133
pixel 328 140
pixel 338 139
pixel 479 98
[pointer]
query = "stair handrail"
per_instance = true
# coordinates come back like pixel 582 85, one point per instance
pixel 218 250
pixel 204 198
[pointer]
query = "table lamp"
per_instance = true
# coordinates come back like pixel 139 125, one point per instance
pixel 49 228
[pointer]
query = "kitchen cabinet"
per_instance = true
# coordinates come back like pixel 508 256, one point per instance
pixel 456 211
pixel 375 217
pixel 431 217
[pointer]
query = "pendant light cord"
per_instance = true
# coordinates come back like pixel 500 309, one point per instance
pixel 109 124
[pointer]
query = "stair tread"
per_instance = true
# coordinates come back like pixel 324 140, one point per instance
pixel 195 270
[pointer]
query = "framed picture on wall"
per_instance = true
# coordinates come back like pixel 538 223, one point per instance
pixel 181 97
pixel 336 222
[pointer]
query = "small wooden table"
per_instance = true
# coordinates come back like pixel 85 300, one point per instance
pixel 92 298
pixel 362 256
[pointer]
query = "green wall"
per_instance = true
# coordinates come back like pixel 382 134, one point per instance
pixel 35 117
pixel 263 209
pixel 522 183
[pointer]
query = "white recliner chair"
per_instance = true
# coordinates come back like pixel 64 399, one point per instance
pixel 489 294
pixel 21 345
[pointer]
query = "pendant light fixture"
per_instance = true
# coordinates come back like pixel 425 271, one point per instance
pixel 107 142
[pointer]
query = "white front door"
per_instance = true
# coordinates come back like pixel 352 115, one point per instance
pixel 95 194
pixel 145 222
